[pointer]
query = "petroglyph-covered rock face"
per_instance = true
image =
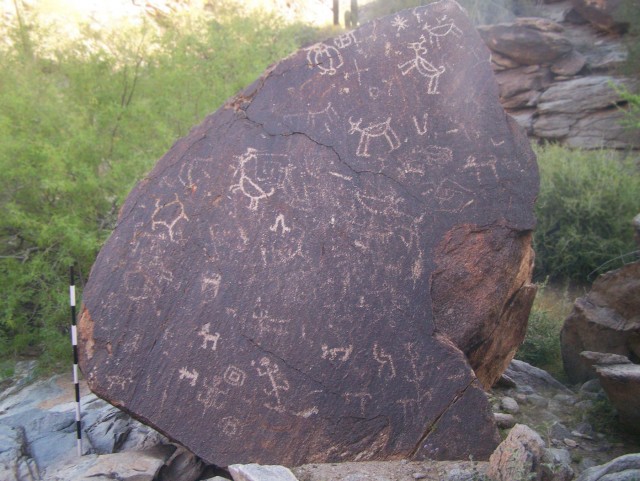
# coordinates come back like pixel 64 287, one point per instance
pixel 280 288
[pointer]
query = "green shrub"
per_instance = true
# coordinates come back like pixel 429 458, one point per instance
pixel 632 113
pixel 541 346
pixel 586 203
pixel 79 125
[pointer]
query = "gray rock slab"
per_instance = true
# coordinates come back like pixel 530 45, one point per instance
pixel 584 94
pixel 510 405
pixel 525 374
pixel 624 468
pixel 257 472
pixel 130 466
pixel 393 471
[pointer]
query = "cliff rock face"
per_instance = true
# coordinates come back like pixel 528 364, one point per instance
pixel 334 262
pixel 559 73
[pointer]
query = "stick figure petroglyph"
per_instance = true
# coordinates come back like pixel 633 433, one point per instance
pixel 451 195
pixel 421 129
pixel 423 66
pixel 277 381
pixel 280 222
pixel 385 360
pixel 120 381
pixel 213 394
pixel 192 376
pixel 327 58
pixel 326 116
pixel 362 397
pixel 487 165
pixel 357 71
pixel 441 30
pixel 339 353
pixel 343 41
pixel 208 338
pixel 168 215
pixel 268 324
pixel 435 155
pixel 211 283
pixel 246 184
pixel 405 403
pixel 372 131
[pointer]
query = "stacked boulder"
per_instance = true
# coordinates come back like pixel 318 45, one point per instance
pixel 558 75
pixel 601 338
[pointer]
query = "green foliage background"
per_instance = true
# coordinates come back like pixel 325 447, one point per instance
pixel 586 203
pixel 80 124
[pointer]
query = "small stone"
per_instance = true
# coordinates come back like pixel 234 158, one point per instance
pixel 559 431
pixel 585 429
pixel 557 465
pixel 565 399
pixel 591 386
pixel 570 442
pixel 577 434
pixel 419 475
pixel 584 405
pixel 526 389
pixel 520 397
pixel 504 420
pixel 558 456
pixel 586 463
pixel 510 405
pixel 537 400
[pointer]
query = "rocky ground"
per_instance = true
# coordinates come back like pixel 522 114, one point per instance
pixel 38 441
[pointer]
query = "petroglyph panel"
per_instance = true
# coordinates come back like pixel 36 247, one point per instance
pixel 274 273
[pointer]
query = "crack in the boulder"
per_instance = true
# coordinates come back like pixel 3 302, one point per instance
pixel 434 424
pixel 307 375
pixel 338 156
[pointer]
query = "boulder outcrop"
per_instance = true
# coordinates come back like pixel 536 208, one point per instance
pixel 621 382
pixel 607 320
pixel 296 267
pixel 559 76
pixel 604 14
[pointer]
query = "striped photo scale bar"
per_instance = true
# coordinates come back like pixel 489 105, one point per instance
pixel 74 342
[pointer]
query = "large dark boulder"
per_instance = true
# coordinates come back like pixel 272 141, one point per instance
pixel 295 281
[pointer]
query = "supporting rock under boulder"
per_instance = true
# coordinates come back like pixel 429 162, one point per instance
pixel 621 382
pixel 607 320
pixel 290 284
